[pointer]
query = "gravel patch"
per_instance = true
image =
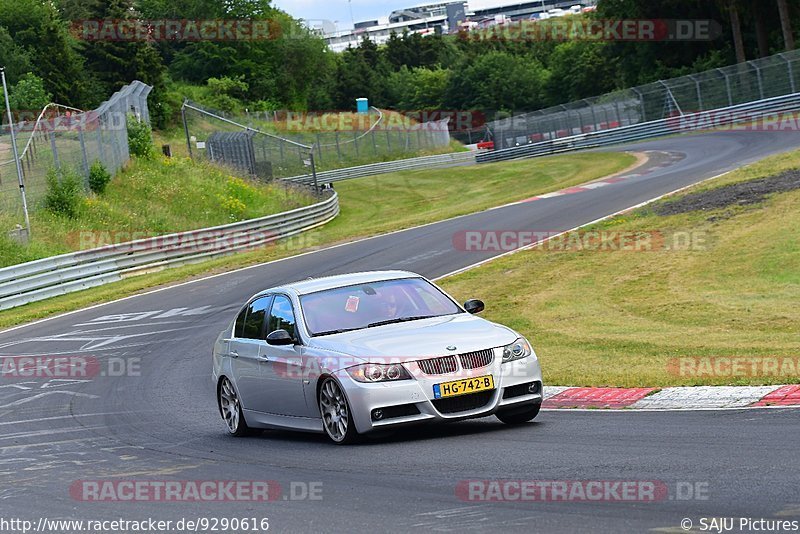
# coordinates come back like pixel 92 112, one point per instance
pixel 740 194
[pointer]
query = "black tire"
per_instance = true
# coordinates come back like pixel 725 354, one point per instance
pixel 518 416
pixel 337 417
pixel 230 408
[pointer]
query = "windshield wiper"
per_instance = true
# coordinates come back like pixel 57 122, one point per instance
pixel 331 332
pixel 399 320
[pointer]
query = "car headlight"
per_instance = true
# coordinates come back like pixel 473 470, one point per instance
pixel 517 350
pixel 373 372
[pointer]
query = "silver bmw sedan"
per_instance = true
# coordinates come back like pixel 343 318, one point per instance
pixel 351 354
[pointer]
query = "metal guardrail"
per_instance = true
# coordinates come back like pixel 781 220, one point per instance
pixel 675 125
pixel 438 161
pixel 59 275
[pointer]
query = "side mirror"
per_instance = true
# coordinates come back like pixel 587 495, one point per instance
pixel 474 306
pixel 280 338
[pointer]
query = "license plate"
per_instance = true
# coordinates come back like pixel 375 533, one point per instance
pixel 463 387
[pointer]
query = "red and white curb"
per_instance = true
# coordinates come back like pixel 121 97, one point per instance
pixel 671 398
pixel 670 159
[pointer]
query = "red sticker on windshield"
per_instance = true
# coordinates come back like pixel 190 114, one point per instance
pixel 352 304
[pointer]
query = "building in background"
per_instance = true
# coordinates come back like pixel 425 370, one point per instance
pixel 447 17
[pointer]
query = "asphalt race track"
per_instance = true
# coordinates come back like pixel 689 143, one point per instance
pixel 157 418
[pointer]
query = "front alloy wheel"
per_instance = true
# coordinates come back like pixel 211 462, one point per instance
pixel 335 412
pixel 231 409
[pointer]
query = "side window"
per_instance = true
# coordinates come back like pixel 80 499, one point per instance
pixel 254 321
pixel 238 330
pixel 282 316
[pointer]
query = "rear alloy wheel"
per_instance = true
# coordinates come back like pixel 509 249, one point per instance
pixel 336 415
pixel 231 409
pixel 517 416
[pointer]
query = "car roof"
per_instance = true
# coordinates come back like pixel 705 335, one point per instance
pixel 312 285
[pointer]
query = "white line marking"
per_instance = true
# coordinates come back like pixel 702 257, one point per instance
pixel 43 419
pixel 538 243
pixel 47 394
pixel 242 269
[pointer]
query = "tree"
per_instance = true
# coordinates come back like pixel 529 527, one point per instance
pixel 36 28
pixel 580 69
pixel 786 24
pixel 14 58
pixel 115 62
pixel 362 72
pixel 498 81
pixel 29 94
pixel 732 7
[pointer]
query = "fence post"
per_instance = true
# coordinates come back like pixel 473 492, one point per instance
pixel 53 148
pixel 699 94
pixel 760 83
pixel 791 72
pixel 355 142
pixel 338 148
pixel 727 87
pixel 314 170
pixel 17 162
pixel 594 115
pixel 84 158
pixel 186 129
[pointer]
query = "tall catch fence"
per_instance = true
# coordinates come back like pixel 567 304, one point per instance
pixel 752 81
pixel 271 145
pixel 63 138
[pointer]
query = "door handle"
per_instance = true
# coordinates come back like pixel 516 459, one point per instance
pixel 263 358
pixel 234 354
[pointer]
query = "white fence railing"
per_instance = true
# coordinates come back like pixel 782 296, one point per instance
pixel 693 122
pixel 424 162
pixel 50 277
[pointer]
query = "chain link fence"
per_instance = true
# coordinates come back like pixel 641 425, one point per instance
pixel 270 145
pixel 768 77
pixel 65 138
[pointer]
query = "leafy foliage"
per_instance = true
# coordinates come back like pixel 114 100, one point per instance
pixel 64 193
pixel 293 68
pixel 140 138
pixel 99 177
pixel 29 94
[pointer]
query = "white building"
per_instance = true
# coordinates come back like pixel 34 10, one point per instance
pixel 448 17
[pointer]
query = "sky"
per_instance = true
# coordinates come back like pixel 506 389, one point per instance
pixel 339 10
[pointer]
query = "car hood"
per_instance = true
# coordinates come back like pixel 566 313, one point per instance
pixel 419 339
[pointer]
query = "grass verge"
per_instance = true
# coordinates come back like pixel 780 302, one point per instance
pixel 149 198
pixel 726 292
pixel 371 206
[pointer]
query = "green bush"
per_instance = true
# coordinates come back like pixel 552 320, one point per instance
pixel 64 196
pixel 140 139
pixel 98 178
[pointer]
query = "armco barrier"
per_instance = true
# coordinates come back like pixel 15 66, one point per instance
pixel 50 277
pixel 424 162
pixel 648 130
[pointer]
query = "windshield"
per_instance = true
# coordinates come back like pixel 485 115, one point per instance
pixel 367 305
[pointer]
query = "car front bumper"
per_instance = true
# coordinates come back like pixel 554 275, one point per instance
pixel 412 401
